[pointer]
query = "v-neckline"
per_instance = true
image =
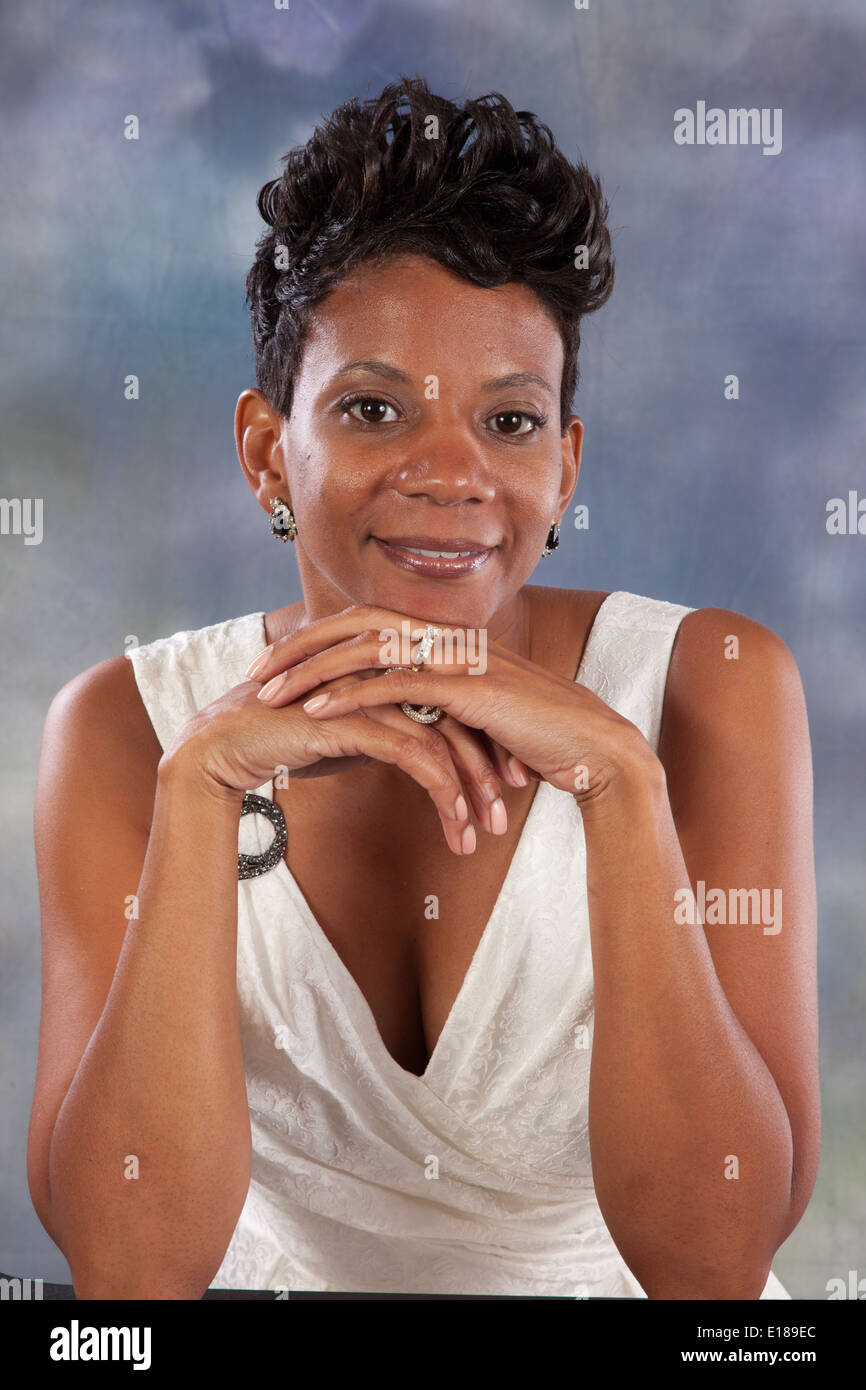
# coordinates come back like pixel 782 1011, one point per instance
pixel 361 1007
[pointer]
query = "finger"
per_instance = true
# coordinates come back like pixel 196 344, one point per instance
pixel 395 719
pixel 461 698
pixel 508 768
pixel 366 651
pixel 326 632
pixel 417 752
pixel 477 773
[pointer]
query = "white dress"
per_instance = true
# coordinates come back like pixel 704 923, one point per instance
pixel 476 1176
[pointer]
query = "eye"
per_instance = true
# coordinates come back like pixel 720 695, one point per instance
pixel 367 419
pixel 513 417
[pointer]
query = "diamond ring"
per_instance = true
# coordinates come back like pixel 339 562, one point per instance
pixel 422 714
pixel 425 646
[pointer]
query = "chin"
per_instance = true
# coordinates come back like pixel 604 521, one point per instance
pixel 432 606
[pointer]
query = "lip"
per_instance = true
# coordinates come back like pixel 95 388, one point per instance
pixel 397 552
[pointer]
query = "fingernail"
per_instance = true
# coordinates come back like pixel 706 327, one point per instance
pixel 467 839
pixel 518 772
pixel 316 703
pixel 268 691
pixel 259 664
pixel 498 817
pixel 461 810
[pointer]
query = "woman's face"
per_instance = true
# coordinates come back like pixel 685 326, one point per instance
pixel 420 445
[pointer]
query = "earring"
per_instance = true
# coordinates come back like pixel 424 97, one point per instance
pixel 283 524
pixel 552 542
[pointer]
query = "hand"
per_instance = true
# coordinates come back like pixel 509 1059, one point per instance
pixel 531 719
pixel 481 767
pixel 237 743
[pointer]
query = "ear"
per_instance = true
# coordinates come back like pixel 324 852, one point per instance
pixel 572 445
pixel 258 435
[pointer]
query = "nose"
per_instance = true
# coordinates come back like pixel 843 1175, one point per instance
pixel 447 469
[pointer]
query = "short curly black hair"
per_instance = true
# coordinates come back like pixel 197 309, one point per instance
pixel 480 188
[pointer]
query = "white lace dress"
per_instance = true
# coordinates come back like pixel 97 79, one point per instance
pixel 476 1176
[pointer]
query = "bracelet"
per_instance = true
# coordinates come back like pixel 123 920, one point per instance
pixel 252 865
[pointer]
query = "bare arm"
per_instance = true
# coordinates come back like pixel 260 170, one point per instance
pixel 140 1060
pixel 150 1002
pixel 704 1115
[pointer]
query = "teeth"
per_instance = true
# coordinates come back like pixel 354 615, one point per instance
pixel 439 554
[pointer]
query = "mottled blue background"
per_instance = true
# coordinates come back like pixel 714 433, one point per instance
pixel 129 257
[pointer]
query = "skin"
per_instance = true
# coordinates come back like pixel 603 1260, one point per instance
pixel 706 1041
pixel 345 482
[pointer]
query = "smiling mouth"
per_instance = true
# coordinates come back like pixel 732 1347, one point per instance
pixel 438 554
pixel 445 559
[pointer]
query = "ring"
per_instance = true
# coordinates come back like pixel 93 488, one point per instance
pixel 422 714
pixel 425 646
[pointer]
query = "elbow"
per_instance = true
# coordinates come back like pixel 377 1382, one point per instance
pixel 93 1283
pixel 742 1281
pixel 126 1275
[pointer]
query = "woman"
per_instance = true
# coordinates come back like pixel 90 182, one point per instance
pixel 465 1027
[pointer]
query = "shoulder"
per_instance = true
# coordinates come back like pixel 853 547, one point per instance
pixel 707 635
pixel 104 697
pixel 725 667
pixel 734 702
pixel 97 731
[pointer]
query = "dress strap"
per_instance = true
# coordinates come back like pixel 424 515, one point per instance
pixel 178 675
pixel 627 655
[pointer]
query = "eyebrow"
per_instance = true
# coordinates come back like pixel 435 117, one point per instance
pixel 376 367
